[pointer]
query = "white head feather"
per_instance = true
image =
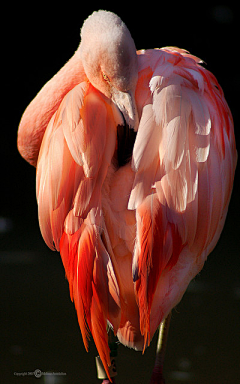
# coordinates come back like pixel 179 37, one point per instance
pixel 108 47
pixel 109 58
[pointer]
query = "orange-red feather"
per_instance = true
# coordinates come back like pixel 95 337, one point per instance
pixel 159 248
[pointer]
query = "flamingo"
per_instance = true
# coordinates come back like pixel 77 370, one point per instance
pixel 135 158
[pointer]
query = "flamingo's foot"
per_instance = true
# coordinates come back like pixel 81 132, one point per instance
pixel 157 377
pixel 106 381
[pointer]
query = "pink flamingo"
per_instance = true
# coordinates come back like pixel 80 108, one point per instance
pixel 135 156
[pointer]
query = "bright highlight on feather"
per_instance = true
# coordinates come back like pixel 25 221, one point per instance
pixel 135 156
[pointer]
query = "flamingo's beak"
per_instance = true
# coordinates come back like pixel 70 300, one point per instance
pixel 125 101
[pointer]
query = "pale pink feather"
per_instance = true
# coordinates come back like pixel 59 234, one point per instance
pixel 39 112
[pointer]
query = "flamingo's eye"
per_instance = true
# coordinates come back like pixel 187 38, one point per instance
pixel 106 78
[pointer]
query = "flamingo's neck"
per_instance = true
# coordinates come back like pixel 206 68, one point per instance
pixel 39 112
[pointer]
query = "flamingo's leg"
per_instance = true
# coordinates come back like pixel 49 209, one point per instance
pixel 113 372
pixel 106 381
pixel 109 382
pixel 157 374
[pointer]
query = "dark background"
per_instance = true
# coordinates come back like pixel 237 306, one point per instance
pixel 39 328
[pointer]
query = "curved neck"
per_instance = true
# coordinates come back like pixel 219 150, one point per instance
pixel 39 112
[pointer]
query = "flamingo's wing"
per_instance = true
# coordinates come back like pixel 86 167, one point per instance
pixel 184 158
pixel 76 151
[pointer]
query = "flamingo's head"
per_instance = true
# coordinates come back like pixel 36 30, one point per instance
pixel 109 58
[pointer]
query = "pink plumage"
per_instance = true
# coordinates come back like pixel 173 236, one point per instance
pixel 131 237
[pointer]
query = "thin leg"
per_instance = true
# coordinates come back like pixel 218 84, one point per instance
pixel 113 348
pixel 157 374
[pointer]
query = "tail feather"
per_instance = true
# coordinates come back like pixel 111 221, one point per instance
pixel 93 285
pixel 158 248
